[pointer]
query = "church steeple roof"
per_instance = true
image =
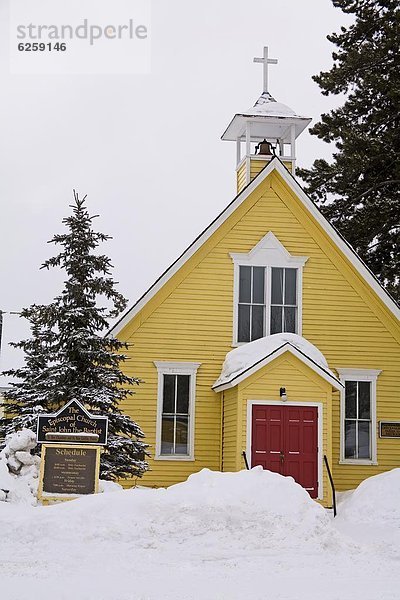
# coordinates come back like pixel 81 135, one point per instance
pixel 269 110
pixel 266 104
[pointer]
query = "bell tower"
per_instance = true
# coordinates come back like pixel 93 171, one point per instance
pixel 267 129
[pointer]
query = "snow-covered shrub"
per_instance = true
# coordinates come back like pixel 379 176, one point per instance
pixel 19 468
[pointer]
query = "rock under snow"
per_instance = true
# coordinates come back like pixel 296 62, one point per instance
pixel 25 458
pixel 247 355
pixel 21 440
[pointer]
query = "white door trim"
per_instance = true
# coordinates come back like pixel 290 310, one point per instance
pixel 318 405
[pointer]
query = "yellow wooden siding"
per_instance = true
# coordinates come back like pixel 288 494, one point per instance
pixel 230 439
pixel 302 385
pixel 257 165
pixel 241 177
pixel 191 319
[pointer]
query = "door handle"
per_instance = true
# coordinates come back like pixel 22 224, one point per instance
pixel 282 456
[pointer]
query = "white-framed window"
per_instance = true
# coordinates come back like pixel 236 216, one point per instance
pixel 175 410
pixel 267 291
pixel 358 432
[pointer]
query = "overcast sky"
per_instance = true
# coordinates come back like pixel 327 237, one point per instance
pixel 146 149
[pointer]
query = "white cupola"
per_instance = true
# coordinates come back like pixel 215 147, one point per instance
pixel 267 129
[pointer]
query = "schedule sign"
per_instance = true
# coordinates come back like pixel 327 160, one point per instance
pixel 69 470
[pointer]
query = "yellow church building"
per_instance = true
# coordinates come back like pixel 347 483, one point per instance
pixel 268 341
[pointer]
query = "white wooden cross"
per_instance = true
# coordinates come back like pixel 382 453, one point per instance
pixel 266 61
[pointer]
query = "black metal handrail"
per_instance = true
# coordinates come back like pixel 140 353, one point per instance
pixel 332 484
pixel 245 460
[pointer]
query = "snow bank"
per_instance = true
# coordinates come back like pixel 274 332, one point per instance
pixel 252 534
pixel 375 501
pixel 246 510
pixel 245 356
pixel 105 487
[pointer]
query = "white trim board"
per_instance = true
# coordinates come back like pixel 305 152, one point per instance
pixel 286 347
pixel 318 405
pixel 274 165
pixel 357 374
pixel 176 368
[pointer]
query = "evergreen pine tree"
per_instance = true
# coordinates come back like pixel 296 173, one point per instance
pixel 359 190
pixel 29 396
pixel 69 357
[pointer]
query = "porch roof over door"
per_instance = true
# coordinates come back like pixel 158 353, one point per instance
pixel 242 362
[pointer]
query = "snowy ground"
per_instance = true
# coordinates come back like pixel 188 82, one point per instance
pixel 249 535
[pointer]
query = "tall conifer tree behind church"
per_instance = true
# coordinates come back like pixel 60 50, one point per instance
pixel 359 191
pixel 68 357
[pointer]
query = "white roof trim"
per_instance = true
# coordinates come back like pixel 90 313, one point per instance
pixel 286 347
pixel 276 165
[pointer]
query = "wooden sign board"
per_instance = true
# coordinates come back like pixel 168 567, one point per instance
pixel 72 424
pixel 389 429
pixel 68 471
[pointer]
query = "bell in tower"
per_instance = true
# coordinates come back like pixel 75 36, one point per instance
pixel 264 148
pixel 267 129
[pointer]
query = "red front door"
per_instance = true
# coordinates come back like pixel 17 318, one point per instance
pixel 285 440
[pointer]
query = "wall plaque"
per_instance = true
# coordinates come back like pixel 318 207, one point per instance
pixel 389 429
pixel 69 470
pixel 72 424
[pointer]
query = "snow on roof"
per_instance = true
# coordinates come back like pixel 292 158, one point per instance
pixel 267 105
pixel 245 357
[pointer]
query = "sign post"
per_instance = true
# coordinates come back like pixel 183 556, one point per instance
pixel 70 460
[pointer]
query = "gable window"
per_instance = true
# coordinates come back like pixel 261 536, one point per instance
pixel 358 416
pixel 253 301
pixel 267 291
pixel 175 414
